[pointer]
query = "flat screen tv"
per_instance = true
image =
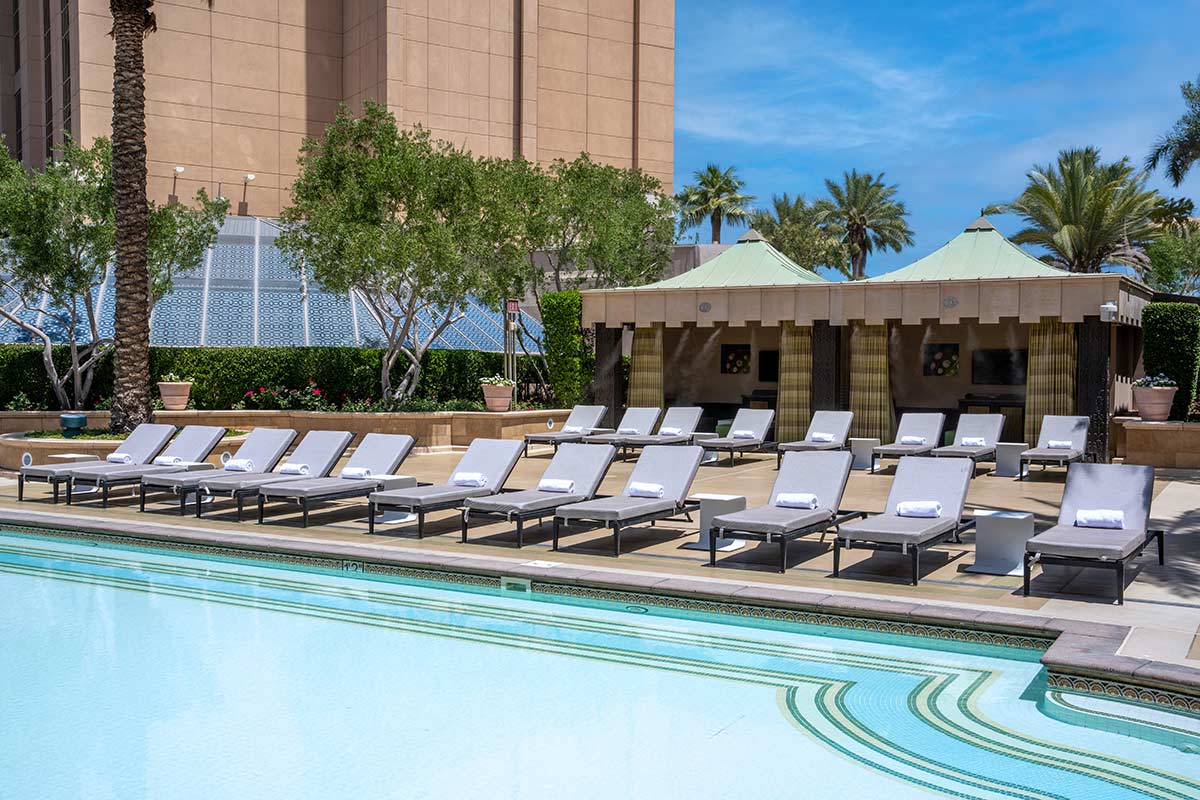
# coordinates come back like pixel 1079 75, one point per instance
pixel 768 366
pixel 999 367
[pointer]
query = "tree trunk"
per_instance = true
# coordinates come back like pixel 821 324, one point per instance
pixel 858 261
pixel 131 358
pixel 715 219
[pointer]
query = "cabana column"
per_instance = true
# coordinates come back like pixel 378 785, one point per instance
pixel 646 368
pixel 795 382
pixel 826 366
pixel 1093 345
pixel 1050 387
pixel 606 384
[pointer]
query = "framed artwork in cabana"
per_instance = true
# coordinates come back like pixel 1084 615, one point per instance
pixel 939 360
pixel 735 359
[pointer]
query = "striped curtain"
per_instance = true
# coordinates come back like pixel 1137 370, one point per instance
pixel 1050 388
pixel 646 368
pixel 870 385
pixel 795 382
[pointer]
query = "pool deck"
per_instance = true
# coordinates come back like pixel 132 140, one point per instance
pixel 1154 639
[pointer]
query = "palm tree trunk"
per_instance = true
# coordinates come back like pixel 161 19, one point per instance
pixel 716 227
pixel 858 261
pixel 131 358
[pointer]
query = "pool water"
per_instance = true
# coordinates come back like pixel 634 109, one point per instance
pixel 132 673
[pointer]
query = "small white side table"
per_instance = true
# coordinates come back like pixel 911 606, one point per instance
pixel 710 456
pixel 1000 538
pixel 387 483
pixel 1008 459
pixel 863 451
pixel 714 505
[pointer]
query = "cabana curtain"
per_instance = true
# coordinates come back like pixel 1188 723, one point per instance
pixel 870 385
pixel 646 368
pixel 1050 386
pixel 795 381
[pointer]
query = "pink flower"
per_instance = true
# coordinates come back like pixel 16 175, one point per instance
pixel 262 388
pixel 248 393
pixel 316 391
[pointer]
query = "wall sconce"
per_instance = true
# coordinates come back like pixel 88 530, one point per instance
pixel 243 208
pixel 1108 312
pixel 174 196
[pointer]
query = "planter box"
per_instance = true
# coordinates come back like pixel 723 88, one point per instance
pixel 1154 402
pixel 1173 445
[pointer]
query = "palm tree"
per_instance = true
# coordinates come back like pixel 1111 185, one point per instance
pixel 1086 214
pixel 132 22
pixel 870 216
pixel 1180 148
pixel 716 196
pixel 803 232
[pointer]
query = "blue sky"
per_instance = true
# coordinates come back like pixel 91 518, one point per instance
pixel 953 101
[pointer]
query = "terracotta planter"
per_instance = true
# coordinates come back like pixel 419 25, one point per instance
pixel 175 395
pixel 497 398
pixel 1154 402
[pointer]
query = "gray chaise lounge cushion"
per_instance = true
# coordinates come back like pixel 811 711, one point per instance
pixel 943 480
pixel 756 420
pixel 193 444
pixel 584 464
pixel 1123 487
pixel 583 417
pixel 823 474
pixel 974 426
pixel 685 418
pixel 494 458
pixel 640 420
pixel 381 453
pixel 263 446
pixel 671 466
pixel 1062 429
pixel 926 425
pixel 320 450
pixel 834 422
pixel 143 444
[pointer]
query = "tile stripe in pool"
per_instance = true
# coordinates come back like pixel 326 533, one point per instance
pixel 923 704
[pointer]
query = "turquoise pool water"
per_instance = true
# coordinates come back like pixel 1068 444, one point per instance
pixel 128 673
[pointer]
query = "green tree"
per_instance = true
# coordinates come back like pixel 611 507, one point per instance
pixel 1174 261
pixel 400 220
pixel 1179 148
pixel 716 196
pixel 1085 213
pixel 804 232
pixel 178 238
pixel 1172 211
pixel 872 219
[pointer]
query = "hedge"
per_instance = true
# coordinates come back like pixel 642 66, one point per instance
pixel 564 345
pixel 1171 347
pixel 223 374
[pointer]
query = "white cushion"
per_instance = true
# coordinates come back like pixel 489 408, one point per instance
pixel 572 429
pixel 627 431
pixel 973 441
pixel 796 500
pixel 643 489
pixel 671 431
pixel 240 465
pixel 1060 444
pixel 294 468
pixel 167 461
pixel 472 479
pixel 356 473
pixel 919 508
pixel 562 485
pixel 119 458
pixel 743 434
pixel 912 440
pixel 1100 518
pixel 821 436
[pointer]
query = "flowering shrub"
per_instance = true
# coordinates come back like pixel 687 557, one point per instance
pixel 497 380
pixel 1154 382
pixel 278 398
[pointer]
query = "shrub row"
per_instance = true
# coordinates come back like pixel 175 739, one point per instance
pixel 1171 347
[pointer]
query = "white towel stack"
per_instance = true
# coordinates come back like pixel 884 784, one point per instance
pixel 643 489
pixel 294 468
pixel 912 440
pixel 572 429
pixel 820 436
pixel 742 434
pixel 356 473
pixel 796 500
pixel 672 431
pixel 1100 518
pixel 560 485
pixel 167 461
pixel 1060 444
pixel 627 431
pixel 119 458
pixel 470 479
pixel 973 441
pixel 240 465
pixel 919 508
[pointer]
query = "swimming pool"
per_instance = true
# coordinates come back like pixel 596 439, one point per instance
pixel 134 673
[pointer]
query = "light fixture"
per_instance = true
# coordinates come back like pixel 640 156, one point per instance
pixel 179 170
pixel 174 198
pixel 1108 312
pixel 243 207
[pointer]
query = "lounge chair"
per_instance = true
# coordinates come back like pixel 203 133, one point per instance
pixel 657 488
pixel 820 474
pixel 190 448
pixel 141 446
pixel 318 451
pixel 581 421
pixel 975 438
pixel 827 431
pixel 372 463
pixel 916 435
pixel 677 427
pixel 918 481
pixel 262 450
pixel 748 432
pixel 573 475
pixel 1061 441
pixel 1092 489
pixel 634 422
pixel 481 472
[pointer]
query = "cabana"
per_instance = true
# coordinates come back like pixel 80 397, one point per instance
pixel 978 325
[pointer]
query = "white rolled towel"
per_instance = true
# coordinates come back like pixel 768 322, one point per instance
pixel 471 479
pixel 644 489
pixel 1100 518
pixel 240 465
pixel 627 431
pixel 820 436
pixel 572 429
pixel 973 441
pixel 912 440
pixel 1060 444
pixel 167 461
pixel 294 468
pixel 356 473
pixel 742 434
pixel 119 458
pixel 796 500
pixel 919 508
pixel 672 431
pixel 561 485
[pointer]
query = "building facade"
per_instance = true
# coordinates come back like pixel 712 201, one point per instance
pixel 234 86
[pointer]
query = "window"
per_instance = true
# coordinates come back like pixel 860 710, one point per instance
pixel 47 68
pixel 65 25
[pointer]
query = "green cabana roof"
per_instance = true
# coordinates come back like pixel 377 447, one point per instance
pixel 750 262
pixel 980 251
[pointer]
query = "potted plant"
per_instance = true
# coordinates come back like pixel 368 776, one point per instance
pixel 174 391
pixel 1153 396
pixel 497 392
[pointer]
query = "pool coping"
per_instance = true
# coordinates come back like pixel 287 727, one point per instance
pixel 1079 656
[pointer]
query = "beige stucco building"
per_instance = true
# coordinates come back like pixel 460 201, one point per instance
pixel 234 86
